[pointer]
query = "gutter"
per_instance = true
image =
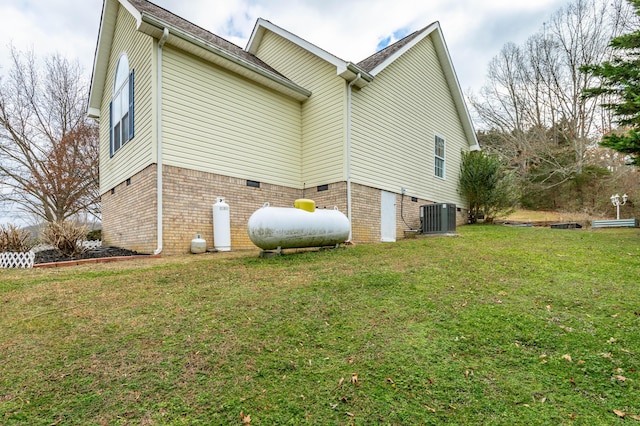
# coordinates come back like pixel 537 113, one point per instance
pixel 349 208
pixel 161 41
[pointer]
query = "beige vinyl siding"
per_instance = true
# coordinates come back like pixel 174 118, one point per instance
pixel 137 153
pixel 323 114
pixel 218 122
pixel 394 123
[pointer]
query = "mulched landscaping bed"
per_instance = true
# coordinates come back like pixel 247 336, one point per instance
pixel 51 256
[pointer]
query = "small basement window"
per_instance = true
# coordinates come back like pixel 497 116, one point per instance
pixel 414 199
pixel 323 188
pixel 253 184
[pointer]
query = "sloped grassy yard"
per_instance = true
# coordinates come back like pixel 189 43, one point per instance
pixel 497 326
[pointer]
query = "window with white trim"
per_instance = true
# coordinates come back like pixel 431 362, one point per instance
pixel 121 106
pixel 439 156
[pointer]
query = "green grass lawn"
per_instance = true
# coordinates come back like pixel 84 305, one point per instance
pixel 496 326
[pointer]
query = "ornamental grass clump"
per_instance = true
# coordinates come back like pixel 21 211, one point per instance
pixel 66 237
pixel 15 240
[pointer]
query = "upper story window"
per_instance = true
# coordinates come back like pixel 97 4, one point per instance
pixel 121 107
pixel 439 156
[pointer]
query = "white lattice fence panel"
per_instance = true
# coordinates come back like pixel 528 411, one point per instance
pixel 90 245
pixel 17 260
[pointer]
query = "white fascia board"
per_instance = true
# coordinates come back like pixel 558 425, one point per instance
pixel 133 11
pixel 256 37
pixel 103 47
pixel 93 112
pixel 101 57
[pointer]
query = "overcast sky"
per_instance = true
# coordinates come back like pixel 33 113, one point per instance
pixel 474 30
pixel 351 29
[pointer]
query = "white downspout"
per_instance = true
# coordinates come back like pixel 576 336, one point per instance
pixel 354 81
pixel 161 42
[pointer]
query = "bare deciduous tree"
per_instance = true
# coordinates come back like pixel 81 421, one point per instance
pixel 48 146
pixel 533 97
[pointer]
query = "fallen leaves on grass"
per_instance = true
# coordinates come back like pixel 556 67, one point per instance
pixel 567 357
pixel 354 378
pixel 246 420
pixel 624 415
pixel 620 378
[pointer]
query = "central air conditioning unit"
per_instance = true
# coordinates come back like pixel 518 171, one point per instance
pixel 439 218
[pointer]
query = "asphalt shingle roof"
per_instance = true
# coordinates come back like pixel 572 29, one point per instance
pixel 380 56
pixel 182 24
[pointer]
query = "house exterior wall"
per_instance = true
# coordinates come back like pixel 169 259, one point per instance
pixel 136 154
pixel 220 129
pixel 216 122
pixel 394 123
pixel 129 217
pixel 323 114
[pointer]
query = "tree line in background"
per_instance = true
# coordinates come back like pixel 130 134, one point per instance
pixel 48 145
pixel 548 103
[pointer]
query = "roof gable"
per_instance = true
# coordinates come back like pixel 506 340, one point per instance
pixel 347 70
pixel 379 61
pixel 152 20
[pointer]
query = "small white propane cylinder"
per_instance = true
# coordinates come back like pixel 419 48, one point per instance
pixel 221 225
pixel 198 245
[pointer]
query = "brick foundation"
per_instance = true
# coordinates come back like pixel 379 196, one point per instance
pixel 129 217
pixel 129 213
pixel 190 195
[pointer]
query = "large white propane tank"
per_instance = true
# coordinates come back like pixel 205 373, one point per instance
pixel 221 225
pixel 285 227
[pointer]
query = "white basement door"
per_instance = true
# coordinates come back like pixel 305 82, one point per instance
pixel 387 216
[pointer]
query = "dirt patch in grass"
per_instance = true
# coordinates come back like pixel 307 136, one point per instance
pixel 548 216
